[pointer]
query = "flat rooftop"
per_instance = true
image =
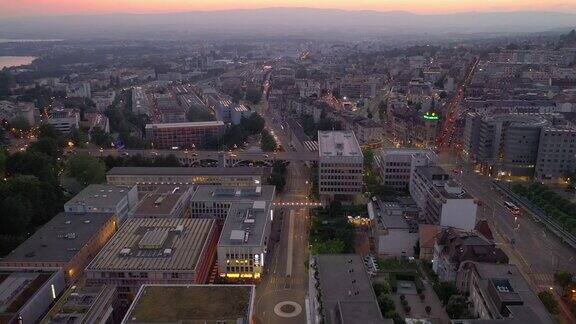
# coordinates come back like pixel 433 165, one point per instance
pixel 338 143
pixel 60 239
pixel 234 194
pixel 192 304
pixel 215 123
pixel 155 244
pixel 182 171
pixel 17 288
pixel 100 195
pixel 163 201
pixel 86 302
pixel 245 224
pixel 345 284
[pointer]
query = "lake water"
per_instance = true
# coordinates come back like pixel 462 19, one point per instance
pixel 10 61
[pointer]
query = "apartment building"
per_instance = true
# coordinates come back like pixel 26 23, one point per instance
pixel 155 251
pixel 443 201
pixel 68 241
pixel 183 135
pixel 104 198
pixel 64 120
pixel 395 166
pixel 500 294
pixel 148 179
pixel 340 165
pixel 453 247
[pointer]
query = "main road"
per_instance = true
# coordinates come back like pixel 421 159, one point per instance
pixel 281 295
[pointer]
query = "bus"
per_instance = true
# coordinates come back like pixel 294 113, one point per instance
pixel 513 208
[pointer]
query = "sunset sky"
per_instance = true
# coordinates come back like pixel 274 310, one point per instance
pixel 16 8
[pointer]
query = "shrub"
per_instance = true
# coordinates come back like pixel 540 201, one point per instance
pixel 428 309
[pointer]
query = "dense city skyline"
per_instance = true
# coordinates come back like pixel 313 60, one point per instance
pixel 70 7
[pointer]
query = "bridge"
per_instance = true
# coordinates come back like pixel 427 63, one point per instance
pixel 213 158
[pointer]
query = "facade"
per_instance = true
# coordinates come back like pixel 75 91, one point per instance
pixel 26 294
pixel 89 305
pixel 341 164
pixel 79 90
pixel 168 201
pixel 192 304
pixel 443 201
pixel 244 240
pixel 64 120
pixel 155 250
pixel 103 198
pixel 346 291
pixel 500 293
pixel 148 179
pixel 395 166
pixel 183 135
pixel 454 247
pixel 556 154
pixel 68 242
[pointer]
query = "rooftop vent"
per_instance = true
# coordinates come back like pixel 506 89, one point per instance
pixel 125 251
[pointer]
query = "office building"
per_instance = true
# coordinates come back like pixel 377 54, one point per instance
pixel 503 144
pixel 68 241
pixel 556 154
pixel 243 243
pixel 168 201
pixel 346 291
pixel 183 135
pixel 26 294
pixel 215 201
pixel 155 250
pixel 500 294
pixel 340 165
pixel 64 120
pixel 103 198
pixel 395 166
pixel 443 201
pixel 79 90
pixel 84 305
pixel 192 304
pixel 148 179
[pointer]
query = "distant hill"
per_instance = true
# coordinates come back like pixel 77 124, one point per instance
pixel 292 20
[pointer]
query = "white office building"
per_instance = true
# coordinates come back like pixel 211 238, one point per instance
pixel 443 201
pixel 341 164
pixel 395 166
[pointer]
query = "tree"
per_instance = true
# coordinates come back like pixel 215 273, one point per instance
pixel 445 290
pixel 254 124
pixel 47 146
pixel 563 278
pixel 86 169
pixel 198 114
pixel 32 163
pixel 20 123
pixel 457 307
pixel 549 301
pixel 100 137
pixel 368 158
pixel 78 137
pixel 254 94
pixel 17 211
pixel 47 130
pixel 268 143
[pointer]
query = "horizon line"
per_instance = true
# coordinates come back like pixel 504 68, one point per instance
pixel 135 13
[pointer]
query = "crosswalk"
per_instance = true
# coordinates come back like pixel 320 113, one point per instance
pixel 278 282
pixel 543 279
